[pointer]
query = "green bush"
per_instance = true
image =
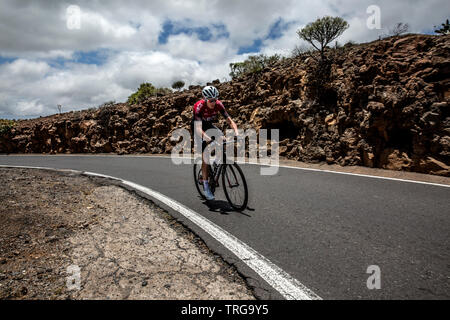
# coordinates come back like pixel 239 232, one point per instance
pixel 445 28
pixel 252 64
pixel 6 126
pixel 145 91
pixel 178 85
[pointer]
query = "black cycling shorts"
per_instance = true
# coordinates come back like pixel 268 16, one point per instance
pixel 206 125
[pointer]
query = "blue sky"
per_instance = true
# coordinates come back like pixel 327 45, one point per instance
pixel 204 33
pixel 6 59
pixel 275 31
pixel 44 62
pixel 97 57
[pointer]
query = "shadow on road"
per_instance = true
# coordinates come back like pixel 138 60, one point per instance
pixel 221 206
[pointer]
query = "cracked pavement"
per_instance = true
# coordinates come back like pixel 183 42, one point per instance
pixel 125 246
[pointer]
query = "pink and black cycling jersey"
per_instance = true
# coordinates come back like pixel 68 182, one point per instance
pixel 203 113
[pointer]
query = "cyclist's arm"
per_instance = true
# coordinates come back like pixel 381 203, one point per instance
pixel 230 121
pixel 199 131
pixel 233 125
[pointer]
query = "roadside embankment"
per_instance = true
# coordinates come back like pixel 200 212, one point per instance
pixel 125 247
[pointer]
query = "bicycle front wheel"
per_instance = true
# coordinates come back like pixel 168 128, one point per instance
pixel 235 186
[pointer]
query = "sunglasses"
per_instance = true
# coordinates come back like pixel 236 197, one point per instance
pixel 212 100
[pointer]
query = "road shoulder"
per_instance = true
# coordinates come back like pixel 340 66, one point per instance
pixel 124 246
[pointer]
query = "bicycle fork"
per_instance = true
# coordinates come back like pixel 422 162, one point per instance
pixel 226 173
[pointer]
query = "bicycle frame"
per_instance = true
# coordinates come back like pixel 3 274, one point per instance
pixel 232 177
pixel 217 171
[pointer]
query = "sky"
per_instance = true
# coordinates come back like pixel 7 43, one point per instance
pixel 81 54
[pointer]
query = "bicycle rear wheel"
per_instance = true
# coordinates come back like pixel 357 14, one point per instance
pixel 235 186
pixel 197 178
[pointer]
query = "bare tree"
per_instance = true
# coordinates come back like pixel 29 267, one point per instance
pixel 59 108
pixel 399 28
pixel 301 50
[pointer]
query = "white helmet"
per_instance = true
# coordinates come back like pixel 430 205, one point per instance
pixel 210 92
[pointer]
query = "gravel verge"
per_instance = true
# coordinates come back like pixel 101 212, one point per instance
pixel 53 225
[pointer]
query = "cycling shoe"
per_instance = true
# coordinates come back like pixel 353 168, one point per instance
pixel 208 194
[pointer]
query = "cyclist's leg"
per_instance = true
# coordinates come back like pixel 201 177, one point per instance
pixel 205 156
pixel 206 188
pixel 193 130
pixel 206 125
pixel 204 163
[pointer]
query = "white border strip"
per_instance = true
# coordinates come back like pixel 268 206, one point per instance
pixel 289 287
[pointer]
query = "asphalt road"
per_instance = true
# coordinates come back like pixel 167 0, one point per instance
pixel 324 229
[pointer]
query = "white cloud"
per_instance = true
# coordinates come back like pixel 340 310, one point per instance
pixel 33 107
pixel 36 34
pixel 82 86
pixel 190 47
pixel 94 22
pixel 23 69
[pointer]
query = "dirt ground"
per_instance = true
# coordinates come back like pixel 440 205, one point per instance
pixel 64 236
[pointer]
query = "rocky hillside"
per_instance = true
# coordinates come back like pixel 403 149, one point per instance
pixel 382 104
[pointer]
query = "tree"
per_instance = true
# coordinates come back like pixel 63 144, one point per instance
pixel 323 31
pixel 399 29
pixel 177 85
pixel 445 28
pixel 252 64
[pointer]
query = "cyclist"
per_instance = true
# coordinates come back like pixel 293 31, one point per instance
pixel 205 113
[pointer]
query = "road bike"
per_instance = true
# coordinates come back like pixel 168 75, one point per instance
pixel 233 180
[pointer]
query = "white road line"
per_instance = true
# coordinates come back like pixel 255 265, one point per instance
pixel 289 287
pixel 324 170
pixel 360 175
pixel 256 163
pixel 286 285
pixel 281 166
pixel 41 168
